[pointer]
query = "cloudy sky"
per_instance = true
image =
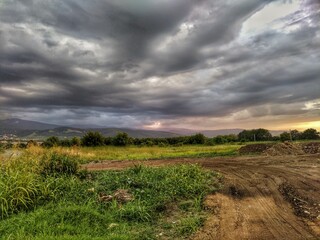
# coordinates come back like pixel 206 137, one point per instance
pixel 200 64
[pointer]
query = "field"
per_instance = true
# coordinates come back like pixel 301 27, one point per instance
pixel 90 154
pixel 197 192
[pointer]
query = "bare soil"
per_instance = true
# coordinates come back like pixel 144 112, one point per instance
pixel 264 197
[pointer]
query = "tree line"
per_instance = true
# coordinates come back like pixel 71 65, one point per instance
pixel 92 139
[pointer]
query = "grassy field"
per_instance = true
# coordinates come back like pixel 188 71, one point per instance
pixel 155 152
pixel 88 154
pixel 44 196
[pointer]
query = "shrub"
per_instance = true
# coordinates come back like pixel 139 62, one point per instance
pixel 310 134
pixel 220 140
pixel 65 143
pixel 285 136
pixel 92 139
pixel 51 142
pixel 108 141
pixel 75 141
pixel 199 138
pixel 121 139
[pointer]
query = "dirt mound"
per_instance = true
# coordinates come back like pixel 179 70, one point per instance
pixel 285 148
pixel 255 148
pixel 280 149
pixel 311 148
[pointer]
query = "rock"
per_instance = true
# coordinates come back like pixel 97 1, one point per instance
pixel 121 196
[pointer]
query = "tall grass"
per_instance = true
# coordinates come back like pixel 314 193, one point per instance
pixel 22 182
pixel 19 185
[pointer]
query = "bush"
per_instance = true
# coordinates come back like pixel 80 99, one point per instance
pixel 92 139
pixel 285 136
pixel 199 138
pixel 55 164
pixel 51 142
pixel 255 135
pixel 75 141
pixel 65 143
pixel 108 141
pixel 220 140
pixel 310 134
pixel 121 139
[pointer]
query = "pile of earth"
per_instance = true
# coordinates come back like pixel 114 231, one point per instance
pixel 280 149
pixel 311 148
pixel 285 148
pixel 255 148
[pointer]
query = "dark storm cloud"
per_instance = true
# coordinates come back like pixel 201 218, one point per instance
pixel 143 60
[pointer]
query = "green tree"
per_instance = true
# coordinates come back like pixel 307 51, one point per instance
pixel 285 136
pixel 310 134
pixel 231 138
pixel 121 139
pixel 108 141
pixel 198 138
pixel 246 135
pixel 220 139
pixel 65 143
pixel 51 142
pixel 295 135
pixel 75 141
pixel 276 138
pixel 92 139
pixel 260 134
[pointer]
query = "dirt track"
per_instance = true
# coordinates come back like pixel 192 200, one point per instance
pixel 262 198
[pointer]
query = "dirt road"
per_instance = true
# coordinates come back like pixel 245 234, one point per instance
pixel 262 198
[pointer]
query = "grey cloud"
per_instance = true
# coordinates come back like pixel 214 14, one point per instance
pixel 98 58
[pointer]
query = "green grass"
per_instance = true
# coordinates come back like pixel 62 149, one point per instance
pixel 167 201
pixel 88 154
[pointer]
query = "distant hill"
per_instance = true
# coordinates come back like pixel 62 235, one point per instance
pixel 15 126
pixel 68 132
pixel 37 130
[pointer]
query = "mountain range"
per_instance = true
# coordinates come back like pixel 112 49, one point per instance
pixel 37 130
